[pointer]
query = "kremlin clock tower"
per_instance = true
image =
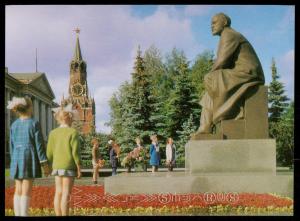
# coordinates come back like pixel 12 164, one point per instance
pixel 78 93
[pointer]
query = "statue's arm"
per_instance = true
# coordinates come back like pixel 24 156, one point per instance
pixel 227 47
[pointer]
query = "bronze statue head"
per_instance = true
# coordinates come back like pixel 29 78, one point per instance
pixel 219 22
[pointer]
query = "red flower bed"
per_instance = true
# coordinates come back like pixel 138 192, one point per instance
pixel 94 197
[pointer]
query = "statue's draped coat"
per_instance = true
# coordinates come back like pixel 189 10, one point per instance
pixel 236 69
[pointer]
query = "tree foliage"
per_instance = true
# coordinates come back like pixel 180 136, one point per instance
pixel 161 98
pixel 201 67
pixel 283 131
pixel 86 148
pixel 277 99
pixel 281 120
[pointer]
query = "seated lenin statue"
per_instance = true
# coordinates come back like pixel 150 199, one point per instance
pixel 235 71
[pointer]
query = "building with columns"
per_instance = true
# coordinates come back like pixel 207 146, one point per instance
pixel 36 86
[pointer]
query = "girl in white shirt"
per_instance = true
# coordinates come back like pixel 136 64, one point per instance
pixel 170 154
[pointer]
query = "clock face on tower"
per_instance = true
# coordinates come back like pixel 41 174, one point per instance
pixel 77 89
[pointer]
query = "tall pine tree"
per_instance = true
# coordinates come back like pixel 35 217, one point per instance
pixel 188 128
pixel 183 99
pixel 122 103
pixel 279 127
pixel 277 99
pixel 200 68
pixel 155 68
pixel 141 110
pixel 283 131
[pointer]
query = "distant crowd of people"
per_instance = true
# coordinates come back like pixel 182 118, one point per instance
pixel 61 158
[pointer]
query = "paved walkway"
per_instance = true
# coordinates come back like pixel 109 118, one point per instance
pixel 87 178
pixel 49 181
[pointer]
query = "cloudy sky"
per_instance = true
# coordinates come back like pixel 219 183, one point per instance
pixel 110 35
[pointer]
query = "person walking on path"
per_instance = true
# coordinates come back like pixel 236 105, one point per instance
pixel 27 152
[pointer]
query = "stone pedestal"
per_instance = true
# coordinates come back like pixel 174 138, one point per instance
pixel 184 182
pixel 213 166
pixel 251 155
pixel 246 165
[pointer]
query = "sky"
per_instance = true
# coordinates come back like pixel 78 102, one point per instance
pixel 110 35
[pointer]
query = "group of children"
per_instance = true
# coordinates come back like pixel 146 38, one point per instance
pixel 155 155
pixel 29 157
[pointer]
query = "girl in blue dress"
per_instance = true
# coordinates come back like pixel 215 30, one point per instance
pixel 154 153
pixel 27 153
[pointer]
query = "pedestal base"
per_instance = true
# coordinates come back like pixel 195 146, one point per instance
pixel 253 155
pixel 182 182
pixel 215 166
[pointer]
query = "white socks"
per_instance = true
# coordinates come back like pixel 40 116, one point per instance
pixel 24 202
pixel 17 205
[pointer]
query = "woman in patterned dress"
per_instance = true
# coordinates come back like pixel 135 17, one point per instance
pixel 27 152
pixel 154 154
pixel 63 151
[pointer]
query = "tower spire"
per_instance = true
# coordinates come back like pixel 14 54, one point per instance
pixel 77 54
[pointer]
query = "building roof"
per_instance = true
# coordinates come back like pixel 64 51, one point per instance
pixel 26 78
pixel 35 79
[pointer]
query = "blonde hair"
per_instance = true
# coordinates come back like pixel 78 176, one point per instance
pixel 95 140
pixel 21 109
pixel 63 116
pixel 153 136
pixel 169 139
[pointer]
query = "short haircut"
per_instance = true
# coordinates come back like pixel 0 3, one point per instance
pixel 168 139
pixel 62 116
pixel 225 17
pixel 23 109
pixel 153 136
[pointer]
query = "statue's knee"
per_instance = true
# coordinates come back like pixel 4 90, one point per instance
pixel 206 78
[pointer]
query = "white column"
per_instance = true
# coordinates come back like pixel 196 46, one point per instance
pixel 49 118
pixel 46 120
pixel 36 109
pixel 43 119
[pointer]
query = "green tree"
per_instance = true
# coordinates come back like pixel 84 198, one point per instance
pixel 130 108
pixel 156 70
pixel 281 120
pixel 183 100
pixel 188 128
pixel 277 99
pixel 283 131
pixel 200 68
pixel 121 104
pixel 141 110
pixel 154 67
pixel 86 147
